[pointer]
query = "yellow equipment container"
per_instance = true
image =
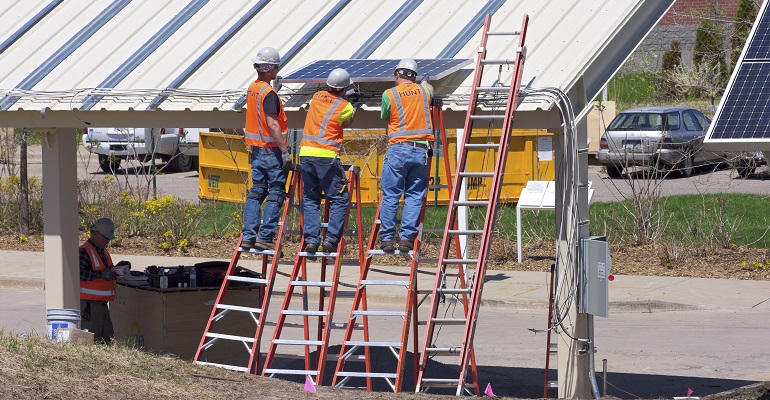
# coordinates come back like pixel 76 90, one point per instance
pixel 225 169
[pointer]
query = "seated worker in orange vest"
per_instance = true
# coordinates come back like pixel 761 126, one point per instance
pixel 97 281
pixel 405 168
pixel 320 163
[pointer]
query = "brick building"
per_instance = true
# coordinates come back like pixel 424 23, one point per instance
pixel 680 23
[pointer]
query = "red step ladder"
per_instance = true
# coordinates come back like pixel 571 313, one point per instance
pixel 299 279
pixel 258 311
pixel 461 340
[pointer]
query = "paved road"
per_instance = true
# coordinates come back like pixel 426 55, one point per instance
pixel 185 185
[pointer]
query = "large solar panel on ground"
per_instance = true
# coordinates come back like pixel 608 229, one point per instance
pixel 742 120
pixel 372 70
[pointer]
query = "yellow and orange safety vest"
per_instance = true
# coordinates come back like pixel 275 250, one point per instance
pixel 322 127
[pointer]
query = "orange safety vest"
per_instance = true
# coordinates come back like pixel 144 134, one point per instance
pixel 322 124
pixel 409 113
pixel 98 289
pixel 257 131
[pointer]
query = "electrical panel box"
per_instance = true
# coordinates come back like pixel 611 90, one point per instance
pixel 594 273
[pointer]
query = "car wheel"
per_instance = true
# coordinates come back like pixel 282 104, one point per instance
pixel 180 162
pixel 745 168
pixel 109 164
pixel 685 167
pixel 613 171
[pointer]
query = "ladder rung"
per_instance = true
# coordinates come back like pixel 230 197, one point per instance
pixel 501 33
pixel 464 232
pixel 443 350
pixel 367 374
pixel 476 146
pixel 500 61
pixel 230 337
pixel 258 281
pixel 379 313
pixel 317 254
pixel 290 371
pixel 553 384
pixel 460 261
pixel 426 230
pixel 303 312
pixel 225 366
pixel 435 187
pixel 443 382
pixel 344 325
pixel 472 203
pixel 372 344
pixel 454 291
pixel 449 321
pixel 299 341
pixel 477 174
pixel 239 308
pixel 492 88
pixel 257 251
pixel 382 252
pixel 313 284
pixel 488 116
pixel 384 283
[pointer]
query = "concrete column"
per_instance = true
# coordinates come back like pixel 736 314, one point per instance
pixel 60 219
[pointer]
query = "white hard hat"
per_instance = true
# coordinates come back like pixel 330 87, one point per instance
pixel 105 226
pixel 338 79
pixel 267 58
pixel 408 64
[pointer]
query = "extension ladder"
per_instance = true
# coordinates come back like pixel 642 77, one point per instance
pixel 462 342
pixel 259 313
pixel 350 349
pixel 299 279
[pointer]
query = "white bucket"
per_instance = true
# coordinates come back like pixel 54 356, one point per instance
pixel 61 319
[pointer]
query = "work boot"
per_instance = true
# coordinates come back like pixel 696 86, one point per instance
pixel 406 246
pixel 311 248
pixel 262 245
pixel 329 247
pixel 388 246
pixel 247 244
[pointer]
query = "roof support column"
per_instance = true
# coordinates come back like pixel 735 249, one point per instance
pixel 60 219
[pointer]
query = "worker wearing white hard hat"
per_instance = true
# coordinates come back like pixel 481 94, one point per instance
pixel 265 133
pixel 405 168
pixel 97 281
pixel 322 171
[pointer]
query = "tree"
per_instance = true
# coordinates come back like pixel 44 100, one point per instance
pixel 709 47
pixel 672 59
pixel 744 18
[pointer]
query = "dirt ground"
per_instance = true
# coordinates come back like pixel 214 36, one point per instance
pixel 724 263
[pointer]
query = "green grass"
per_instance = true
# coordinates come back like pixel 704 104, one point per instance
pixel 629 90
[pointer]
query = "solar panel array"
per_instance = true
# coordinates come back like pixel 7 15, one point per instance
pixel 743 115
pixel 372 70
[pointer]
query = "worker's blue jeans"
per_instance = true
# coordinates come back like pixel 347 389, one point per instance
pixel 268 185
pixel 327 175
pixel 404 171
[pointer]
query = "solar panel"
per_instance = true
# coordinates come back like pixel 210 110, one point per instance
pixel 742 120
pixel 759 47
pixel 372 70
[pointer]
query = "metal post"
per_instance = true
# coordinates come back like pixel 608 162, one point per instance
pixel 604 377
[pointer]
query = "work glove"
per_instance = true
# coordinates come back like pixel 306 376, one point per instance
pixel 353 96
pixel 425 78
pixel 108 275
pixel 277 85
pixel 285 161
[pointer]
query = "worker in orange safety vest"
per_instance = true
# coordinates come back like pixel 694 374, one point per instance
pixel 405 167
pixel 320 163
pixel 265 134
pixel 97 281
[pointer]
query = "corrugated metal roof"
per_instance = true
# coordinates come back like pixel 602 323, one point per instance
pixel 573 45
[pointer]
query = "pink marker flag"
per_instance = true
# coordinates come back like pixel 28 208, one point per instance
pixel 309 386
pixel 689 392
pixel 488 391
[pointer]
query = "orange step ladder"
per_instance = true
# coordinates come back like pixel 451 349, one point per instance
pixel 299 279
pixel 257 311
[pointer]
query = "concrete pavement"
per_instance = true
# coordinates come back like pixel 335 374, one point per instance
pixel 663 334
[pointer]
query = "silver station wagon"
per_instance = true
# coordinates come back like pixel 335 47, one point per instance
pixel 662 138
